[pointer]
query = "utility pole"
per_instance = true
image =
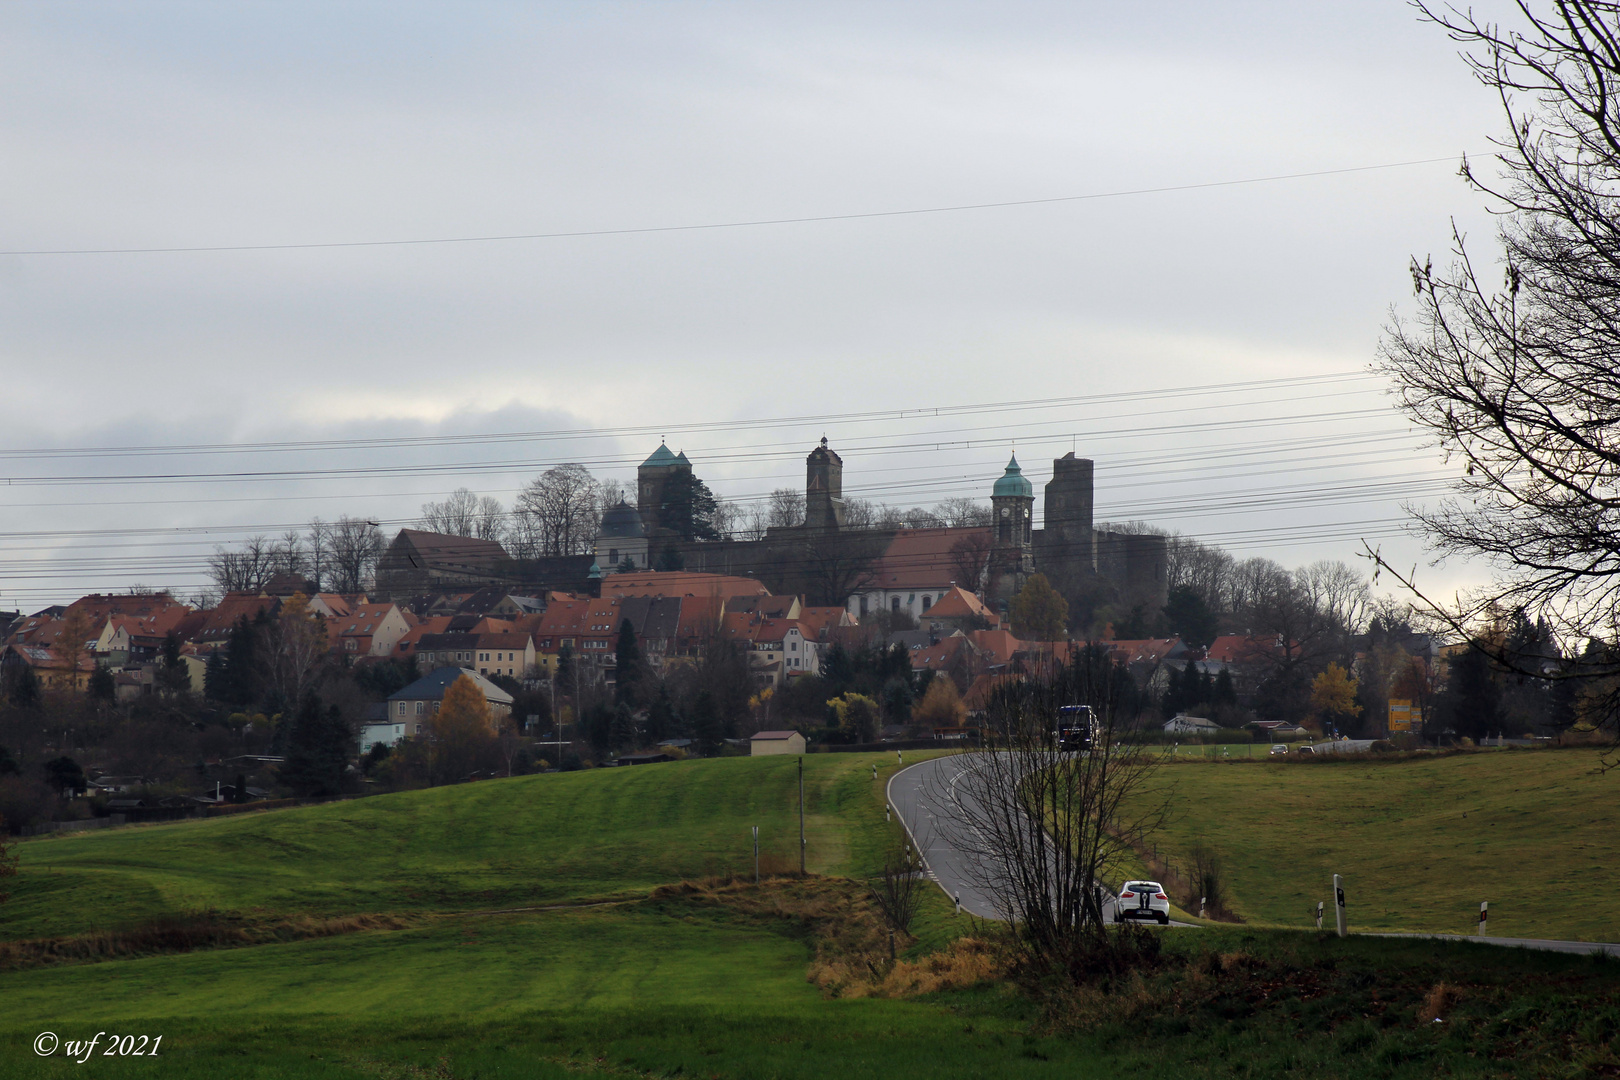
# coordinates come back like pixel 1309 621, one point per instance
pixel 801 817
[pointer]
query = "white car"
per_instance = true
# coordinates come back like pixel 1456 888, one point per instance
pixel 1142 900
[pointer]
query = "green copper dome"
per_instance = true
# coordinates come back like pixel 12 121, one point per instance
pixel 1013 483
pixel 660 456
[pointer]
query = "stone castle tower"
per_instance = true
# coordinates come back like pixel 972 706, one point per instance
pixel 652 477
pixel 823 489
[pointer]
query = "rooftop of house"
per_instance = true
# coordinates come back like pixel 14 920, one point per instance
pixel 923 559
pixel 433 686
pixel 439 546
pixel 958 603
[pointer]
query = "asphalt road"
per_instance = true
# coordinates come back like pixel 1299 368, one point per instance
pixel 913 792
pixel 924 793
pixel 1580 948
pixel 916 791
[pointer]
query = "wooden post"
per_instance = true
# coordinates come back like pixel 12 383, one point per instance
pixel 801 817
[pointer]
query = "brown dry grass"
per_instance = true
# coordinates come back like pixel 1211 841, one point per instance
pixel 204 930
pixel 1438 1002
pixel 854 950
pixel 966 962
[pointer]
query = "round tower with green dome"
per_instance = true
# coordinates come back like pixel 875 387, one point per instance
pixel 1012 508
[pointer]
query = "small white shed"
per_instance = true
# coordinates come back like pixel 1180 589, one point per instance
pixel 775 742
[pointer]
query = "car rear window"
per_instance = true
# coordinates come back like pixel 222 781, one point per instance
pixel 1142 886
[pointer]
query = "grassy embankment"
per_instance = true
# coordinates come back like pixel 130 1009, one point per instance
pixel 549 839
pixel 674 986
pixel 1420 842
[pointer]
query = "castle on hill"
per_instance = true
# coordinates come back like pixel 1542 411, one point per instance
pixel 902 569
pixel 824 558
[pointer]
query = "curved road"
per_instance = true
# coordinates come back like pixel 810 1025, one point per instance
pixel 915 792
pixel 911 792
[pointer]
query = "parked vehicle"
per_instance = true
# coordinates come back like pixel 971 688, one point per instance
pixel 1307 749
pixel 1142 900
pixel 1279 748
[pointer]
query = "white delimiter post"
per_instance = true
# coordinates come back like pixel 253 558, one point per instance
pixel 1338 902
pixel 1319 914
pixel 1483 905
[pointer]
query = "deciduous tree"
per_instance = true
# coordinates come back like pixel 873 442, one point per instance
pixel 1038 612
pixel 1512 369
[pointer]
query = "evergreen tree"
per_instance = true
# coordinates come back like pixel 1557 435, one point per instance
pixel 22 688
pixel 101 686
pixel 318 749
pixel 64 774
pixel 1189 617
pixel 670 559
pixel 629 667
pixel 837 668
pixel 564 673
pixel 1473 700
pixel 688 508
pixel 1224 693
pixel 706 725
pixel 662 723
pixel 8 764
pixel 624 734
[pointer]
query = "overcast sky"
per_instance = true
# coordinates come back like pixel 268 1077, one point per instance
pixel 196 125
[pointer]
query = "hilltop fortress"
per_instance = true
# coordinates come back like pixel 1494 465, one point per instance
pixel 824 558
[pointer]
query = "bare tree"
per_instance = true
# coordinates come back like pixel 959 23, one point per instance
pixel 862 513
pixel 1518 381
pixel 455 516
pixel 786 508
pixel 899 890
pixel 960 513
pixel 289 554
pixel 355 545
pixel 1338 592
pixel 1045 824
pixel 563 510
pixel 838 564
pixel 320 551
pixel 247 569
pixel 970 554
pixel 295 644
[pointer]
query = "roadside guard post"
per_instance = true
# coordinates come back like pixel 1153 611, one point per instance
pixel 1319 914
pixel 1483 905
pixel 1338 902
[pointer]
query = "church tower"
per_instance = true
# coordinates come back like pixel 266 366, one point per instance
pixel 1012 509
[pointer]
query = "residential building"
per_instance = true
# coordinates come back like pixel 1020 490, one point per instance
pixel 413 707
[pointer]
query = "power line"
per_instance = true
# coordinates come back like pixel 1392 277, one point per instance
pixel 719 225
pixel 873 415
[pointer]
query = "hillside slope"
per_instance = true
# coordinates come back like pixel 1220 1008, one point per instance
pixel 529 840
pixel 1419 842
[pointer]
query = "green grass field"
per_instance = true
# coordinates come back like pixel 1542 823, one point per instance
pixel 545 839
pixel 1420 843
pixel 671 986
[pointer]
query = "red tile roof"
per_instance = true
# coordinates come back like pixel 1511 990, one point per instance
pixel 958 603
pixel 922 558
pixel 1242 648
